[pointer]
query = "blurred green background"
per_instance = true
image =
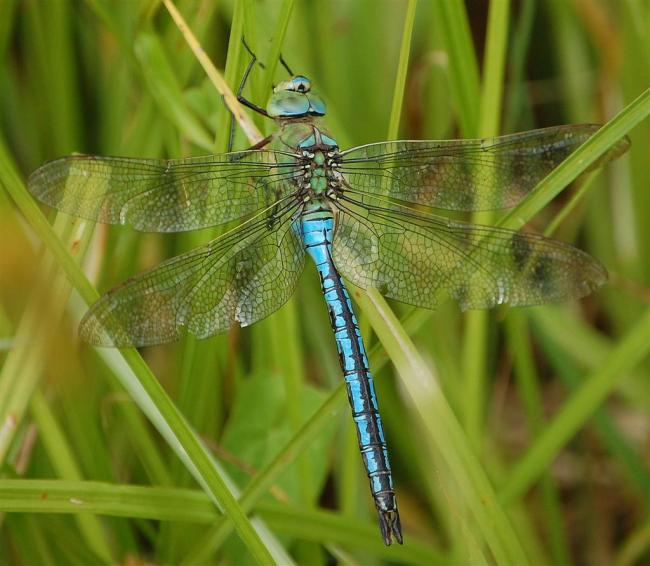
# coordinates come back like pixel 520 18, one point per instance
pixel 517 436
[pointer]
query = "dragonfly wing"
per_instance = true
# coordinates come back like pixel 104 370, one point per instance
pixel 238 278
pixel 157 195
pixel 414 257
pixel 482 174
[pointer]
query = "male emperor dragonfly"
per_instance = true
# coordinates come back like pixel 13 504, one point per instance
pixel 364 213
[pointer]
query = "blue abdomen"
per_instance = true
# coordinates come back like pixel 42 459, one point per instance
pixel 317 232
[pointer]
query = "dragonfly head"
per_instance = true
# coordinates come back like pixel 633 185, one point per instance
pixel 293 99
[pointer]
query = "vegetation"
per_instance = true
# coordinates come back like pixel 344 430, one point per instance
pixel 517 436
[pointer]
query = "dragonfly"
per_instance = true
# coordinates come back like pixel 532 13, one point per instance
pixel 370 214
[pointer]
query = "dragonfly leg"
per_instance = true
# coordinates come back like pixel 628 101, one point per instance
pixel 283 61
pixel 231 137
pixel 284 64
pixel 231 130
pixel 240 90
pixel 248 103
pixel 240 95
pixel 262 143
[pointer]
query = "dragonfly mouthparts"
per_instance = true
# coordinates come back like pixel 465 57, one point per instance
pixel 390 526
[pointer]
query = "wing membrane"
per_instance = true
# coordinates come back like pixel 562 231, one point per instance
pixel 239 278
pixel 157 195
pixel 482 174
pixel 414 257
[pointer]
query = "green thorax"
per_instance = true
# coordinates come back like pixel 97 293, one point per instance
pixel 303 133
pixel 308 138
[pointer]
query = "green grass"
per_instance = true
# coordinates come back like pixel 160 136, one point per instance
pixel 516 436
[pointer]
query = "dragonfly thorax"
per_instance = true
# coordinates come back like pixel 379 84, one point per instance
pixel 319 160
pixel 316 174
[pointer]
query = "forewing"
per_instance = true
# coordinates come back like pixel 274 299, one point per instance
pixel 238 278
pixel 483 174
pixel 414 258
pixel 156 195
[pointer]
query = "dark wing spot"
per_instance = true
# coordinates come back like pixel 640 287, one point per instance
pixel 541 274
pixel 521 250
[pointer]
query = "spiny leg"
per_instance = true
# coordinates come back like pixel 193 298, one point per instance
pixel 240 97
pixel 240 91
pixel 284 64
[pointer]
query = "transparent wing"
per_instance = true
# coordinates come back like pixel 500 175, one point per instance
pixel 484 174
pixel 239 278
pixel 157 195
pixel 413 257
